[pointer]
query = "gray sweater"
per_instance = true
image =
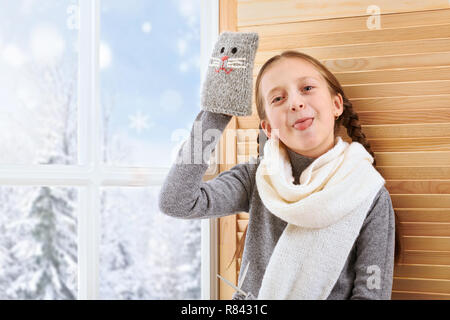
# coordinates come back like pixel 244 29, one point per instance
pixel 368 271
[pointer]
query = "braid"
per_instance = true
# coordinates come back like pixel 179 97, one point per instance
pixel 350 120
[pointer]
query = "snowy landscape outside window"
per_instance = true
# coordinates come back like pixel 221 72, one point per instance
pixel 86 144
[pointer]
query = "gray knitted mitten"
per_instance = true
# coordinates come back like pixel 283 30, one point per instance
pixel 228 83
pixel 239 296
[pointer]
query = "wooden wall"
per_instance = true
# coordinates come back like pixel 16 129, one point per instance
pixel 397 75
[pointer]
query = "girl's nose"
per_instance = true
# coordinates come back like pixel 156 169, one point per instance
pixel 297 103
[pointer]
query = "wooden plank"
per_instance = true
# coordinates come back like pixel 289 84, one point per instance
pixel 346 24
pixel 227 246
pixel 401 103
pixel 228 146
pixel 437 115
pixel 421 285
pixel 228 15
pixel 248 122
pixel 410 88
pixel 241 224
pixel 243 216
pixel 422 271
pixel 413 159
pixel 401 75
pixel 421 201
pixel 239 235
pixel 387 62
pixel 247 158
pixel 413 295
pixel 426 243
pixel 247 148
pixel 414 130
pixel 302 40
pixel 418 186
pixel 425 229
pixel 244 135
pixel 414 173
pixel 423 214
pixel 426 257
pixel 253 12
pixel 410 145
pixel 227 225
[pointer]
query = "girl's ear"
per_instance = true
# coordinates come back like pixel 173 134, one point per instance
pixel 338 104
pixel 266 127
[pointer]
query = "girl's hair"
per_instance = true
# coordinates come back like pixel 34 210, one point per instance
pixel 349 119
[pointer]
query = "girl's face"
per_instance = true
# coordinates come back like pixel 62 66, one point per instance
pixel 292 89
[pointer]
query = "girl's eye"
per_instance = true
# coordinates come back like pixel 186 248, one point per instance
pixel 275 99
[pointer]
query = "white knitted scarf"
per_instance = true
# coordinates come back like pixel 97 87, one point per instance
pixel 325 213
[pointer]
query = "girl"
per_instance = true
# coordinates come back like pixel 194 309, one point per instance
pixel 321 223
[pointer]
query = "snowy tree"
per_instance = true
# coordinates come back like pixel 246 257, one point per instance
pixel 115 151
pixel 49 250
pixel 173 253
pixel 119 259
pixel 45 251
pixel 164 252
pixel 119 277
pixel 12 226
pixel 190 262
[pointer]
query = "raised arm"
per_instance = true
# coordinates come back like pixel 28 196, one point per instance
pixel 185 195
pixel 226 92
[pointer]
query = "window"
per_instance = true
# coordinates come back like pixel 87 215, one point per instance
pixel 90 104
pixel 38 82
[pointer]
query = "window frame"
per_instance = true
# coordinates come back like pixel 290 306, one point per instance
pixel 92 174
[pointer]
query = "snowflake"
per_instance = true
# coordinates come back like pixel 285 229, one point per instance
pixel 139 122
pixel 146 27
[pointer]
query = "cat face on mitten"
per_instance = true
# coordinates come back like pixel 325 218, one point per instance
pixel 229 80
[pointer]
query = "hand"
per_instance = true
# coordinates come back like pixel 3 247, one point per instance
pixel 228 83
